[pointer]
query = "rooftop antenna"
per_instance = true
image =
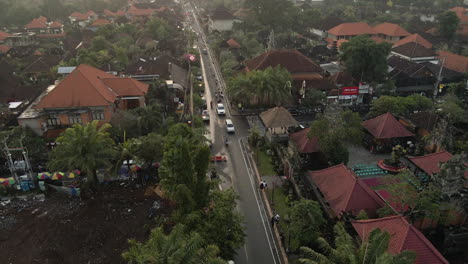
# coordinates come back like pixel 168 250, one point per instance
pixel 271 41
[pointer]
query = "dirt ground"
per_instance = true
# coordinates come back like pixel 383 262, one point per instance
pixel 62 230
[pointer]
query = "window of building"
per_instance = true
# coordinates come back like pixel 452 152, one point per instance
pixel 75 118
pixel 53 120
pixel 98 115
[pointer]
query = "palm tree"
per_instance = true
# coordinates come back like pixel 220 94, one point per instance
pixel 371 251
pixel 177 247
pixel 85 147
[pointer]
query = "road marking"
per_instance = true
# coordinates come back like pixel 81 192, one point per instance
pixel 258 204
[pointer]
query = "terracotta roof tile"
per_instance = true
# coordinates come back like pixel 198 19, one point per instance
pixel 344 191
pixel 461 13
pixel 390 29
pixel 278 117
pixel 4 35
pixel 343 78
pixel 430 163
pixel 386 126
pixel 403 237
pixel 4 48
pixel 292 60
pixel 100 22
pixel 126 86
pixel 232 43
pixel 379 40
pixel 40 22
pixel 140 11
pixel 304 143
pixel 56 24
pixel 414 38
pixel 453 61
pixel 88 86
pixel 351 29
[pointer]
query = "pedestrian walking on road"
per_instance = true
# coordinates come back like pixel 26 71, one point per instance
pixel 263 185
pixel 211 104
pixel 275 219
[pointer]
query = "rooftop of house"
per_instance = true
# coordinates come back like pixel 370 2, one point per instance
pixel 42 22
pixel 87 86
pixel 403 236
pixel 351 29
pixel 408 68
pixel 343 78
pixel 430 163
pixel 41 64
pixel 386 126
pixel 134 11
pixel 461 13
pixel 222 13
pixel 4 35
pixel 454 61
pixel 292 60
pixel 304 143
pixel 344 191
pixel 413 50
pixel 415 38
pixel 100 22
pixel 277 117
pixel 390 29
pixel 232 43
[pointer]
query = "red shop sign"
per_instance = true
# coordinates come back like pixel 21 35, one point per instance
pixel 350 90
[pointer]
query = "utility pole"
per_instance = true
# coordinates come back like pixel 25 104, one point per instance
pixel 11 164
pixel 191 90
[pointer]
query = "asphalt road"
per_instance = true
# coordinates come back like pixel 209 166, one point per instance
pixel 260 247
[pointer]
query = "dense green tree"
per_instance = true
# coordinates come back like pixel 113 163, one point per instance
pixel 158 28
pixel 373 250
pixel 332 133
pixel 274 14
pixel 400 105
pixel 452 109
pixel 269 87
pixel 84 147
pixel 183 170
pixel 149 118
pixel 306 220
pixel 177 247
pixel 313 98
pixel 365 59
pixel 447 24
pixel 220 224
pixel 150 148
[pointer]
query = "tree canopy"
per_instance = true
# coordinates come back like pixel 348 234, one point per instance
pixel 84 147
pixel 179 246
pixel 400 105
pixel 447 24
pixel 365 59
pixel 269 87
pixel 372 250
pixel 306 220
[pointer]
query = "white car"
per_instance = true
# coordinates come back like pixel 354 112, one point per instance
pixel 205 115
pixel 229 126
pixel 220 109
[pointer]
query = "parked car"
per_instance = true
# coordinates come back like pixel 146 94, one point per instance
pixel 229 126
pixel 205 115
pixel 220 109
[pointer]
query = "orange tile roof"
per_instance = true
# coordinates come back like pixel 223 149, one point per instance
pixel 453 61
pixel 390 29
pixel 126 86
pixel 4 35
pixel 379 40
pixel 56 24
pixel 4 48
pixel 403 236
pixel 40 22
pixel 461 13
pixel 140 12
pixel 351 29
pixel 88 86
pixel 304 143
pixel 100 22
pixel 344 191
pixel 414 38
pixel 79 16
pixel 430 163
pixel 232 43
pixel 386 126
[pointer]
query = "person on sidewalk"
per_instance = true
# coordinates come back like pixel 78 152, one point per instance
pixel 275 219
